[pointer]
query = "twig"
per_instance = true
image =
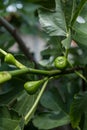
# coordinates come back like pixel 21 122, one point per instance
pixel 17 37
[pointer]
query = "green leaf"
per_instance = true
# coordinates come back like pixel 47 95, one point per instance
pixel 80 33
pixel 22 107
pixel 80 26
pixel 54 48
pixel 9 120
pixel 51 120
pixel 56 116
pixel 81 38
pixel 52 100
pixel 78 107
pixel 53 21
pixel 10 91
pixel 79 9
pixel 67 41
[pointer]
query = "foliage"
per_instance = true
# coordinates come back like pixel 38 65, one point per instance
pixel 62 94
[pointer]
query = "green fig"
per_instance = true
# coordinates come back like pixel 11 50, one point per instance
pixel 61 62
pixel 10 59
pixel 5 76
pixel 32 86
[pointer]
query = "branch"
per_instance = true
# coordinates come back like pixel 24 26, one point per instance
pixel 45 72
pixel 7 75
pixel 17 37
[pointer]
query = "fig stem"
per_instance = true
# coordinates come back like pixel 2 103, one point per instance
pixel 33 108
